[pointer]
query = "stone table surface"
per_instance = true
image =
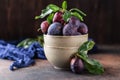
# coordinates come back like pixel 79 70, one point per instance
pixel 43 70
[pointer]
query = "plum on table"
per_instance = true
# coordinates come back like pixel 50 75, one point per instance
pixel 76 65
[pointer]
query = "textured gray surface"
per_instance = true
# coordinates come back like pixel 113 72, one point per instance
pixel 43 70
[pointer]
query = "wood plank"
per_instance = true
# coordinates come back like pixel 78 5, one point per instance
pixel 17 18
pixel 43 70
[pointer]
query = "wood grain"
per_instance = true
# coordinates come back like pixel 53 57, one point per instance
pixel 17 18
pixel 43 70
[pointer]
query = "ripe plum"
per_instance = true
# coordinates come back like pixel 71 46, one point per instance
pixel 57 17
pixel 83 29
pixel 74 21
pixel 76 65
pixel 44 27
pixel 55 29
pixel 70 30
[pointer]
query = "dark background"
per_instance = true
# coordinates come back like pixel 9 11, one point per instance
pixel 103 18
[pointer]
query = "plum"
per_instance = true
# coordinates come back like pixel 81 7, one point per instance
pixel 58 18
pixel 83 29
pixel 74 21
pixel 55 29
pixel 44 27
pixel 76 65
pixel 70 30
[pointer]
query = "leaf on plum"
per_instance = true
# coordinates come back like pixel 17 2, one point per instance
pixel 64 5
pixel 87 46
pixel 92 65
pixel 50 18
pixel 44 13
pixel 77 10
pixel 66 15
pixel 76 14
pixel 53 7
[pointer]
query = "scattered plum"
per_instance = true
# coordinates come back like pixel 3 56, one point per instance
pixel 83 29
pixel 44 27
pixel 70 30
pixel 76 65
pixel 55 29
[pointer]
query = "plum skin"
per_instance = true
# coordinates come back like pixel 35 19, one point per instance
pixel 55 29
pixel 44 26
pixel 70 30
pixel 76 65
pixel 83 29
pixel 58 17
pixel 74 21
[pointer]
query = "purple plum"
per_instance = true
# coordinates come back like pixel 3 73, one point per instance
pixel 55 29
pixel 83 29
pixel 70 30
pixel 76 65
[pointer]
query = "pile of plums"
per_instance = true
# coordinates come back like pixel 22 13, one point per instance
pixel 72 27
pixel 59 27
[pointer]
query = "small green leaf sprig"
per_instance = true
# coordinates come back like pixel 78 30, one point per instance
pixel 92 65
pixel 50 10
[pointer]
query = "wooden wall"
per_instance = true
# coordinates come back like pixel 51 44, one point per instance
pixel 103 18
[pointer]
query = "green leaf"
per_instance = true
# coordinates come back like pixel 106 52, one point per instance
pixel 53 7
pixel 64 5
pixel 44 13
pixel 41 40
pixel 88 45
pixel 25 43
pixel 50 18
pixel 82 56
pixel 37 17
pixel 93 66
pixel 77 10
pixel 66 16
pixel 49 9
pixel 76 14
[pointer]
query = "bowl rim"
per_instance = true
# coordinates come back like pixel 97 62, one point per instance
pixel 66 36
